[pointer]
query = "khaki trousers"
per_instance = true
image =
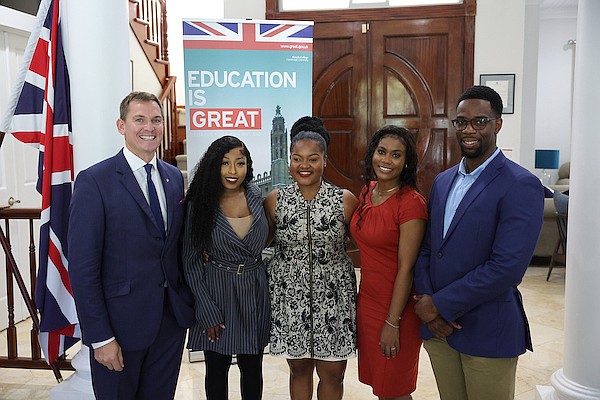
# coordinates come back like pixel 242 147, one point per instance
pixel 463 377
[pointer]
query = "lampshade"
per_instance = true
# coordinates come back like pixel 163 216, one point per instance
pixel 547 159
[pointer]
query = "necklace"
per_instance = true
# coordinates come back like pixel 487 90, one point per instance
pixel 387 190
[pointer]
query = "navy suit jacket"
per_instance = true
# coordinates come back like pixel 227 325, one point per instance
pixel 472 274
pixel 118 258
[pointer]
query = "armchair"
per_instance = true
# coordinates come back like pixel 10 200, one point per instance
pixel 561 202
pixel 549 235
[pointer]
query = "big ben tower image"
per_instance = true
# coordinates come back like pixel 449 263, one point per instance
pixel 280 174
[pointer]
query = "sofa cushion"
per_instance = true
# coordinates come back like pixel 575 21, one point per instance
pixel 564 174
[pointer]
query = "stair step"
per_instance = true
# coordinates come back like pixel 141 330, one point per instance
pixel 181 160
pixel 181 116
pixel 152 42
pixel 141 21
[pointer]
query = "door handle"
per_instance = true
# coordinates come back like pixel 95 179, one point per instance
pixel 12 201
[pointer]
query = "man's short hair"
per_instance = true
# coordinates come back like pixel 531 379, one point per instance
pixel 483 93
pixel 137 96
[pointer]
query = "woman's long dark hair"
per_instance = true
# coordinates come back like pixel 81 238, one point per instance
pixel 206 188
pixel 408 176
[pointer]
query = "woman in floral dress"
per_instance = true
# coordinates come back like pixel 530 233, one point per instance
pixel 311 279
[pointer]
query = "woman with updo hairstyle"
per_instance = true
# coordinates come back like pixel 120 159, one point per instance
pixel 310 124
pixel 311 279
pixel 388 227
pixel 224 235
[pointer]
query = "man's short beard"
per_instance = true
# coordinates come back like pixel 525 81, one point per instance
pixel 474 154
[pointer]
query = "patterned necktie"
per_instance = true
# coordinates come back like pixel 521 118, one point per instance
pixel 153 199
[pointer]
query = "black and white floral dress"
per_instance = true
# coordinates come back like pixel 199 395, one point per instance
pixel 311 279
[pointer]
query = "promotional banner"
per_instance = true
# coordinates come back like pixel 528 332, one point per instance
pixel 249 79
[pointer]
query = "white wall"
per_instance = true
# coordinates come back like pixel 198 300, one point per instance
pixel 499 44
pixel 178 10
pixel 143 76
pixel 554 84
pixel 245 9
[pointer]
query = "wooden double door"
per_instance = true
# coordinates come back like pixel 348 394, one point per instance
pixel 406 72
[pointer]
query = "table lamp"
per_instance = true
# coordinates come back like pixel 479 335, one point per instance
pixel 546 159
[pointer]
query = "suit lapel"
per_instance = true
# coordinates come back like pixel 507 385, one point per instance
pixel 171 193
pixel 255 205
pixel 131 184
pixel 486 177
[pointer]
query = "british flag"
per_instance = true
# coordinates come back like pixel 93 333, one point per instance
pixel 239 35
pixel 39 114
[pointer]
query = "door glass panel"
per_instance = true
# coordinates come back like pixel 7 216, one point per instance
pixel 297 5
pixel 407 3
pixel 399 101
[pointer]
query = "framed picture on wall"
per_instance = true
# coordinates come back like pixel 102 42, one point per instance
pixel 504 84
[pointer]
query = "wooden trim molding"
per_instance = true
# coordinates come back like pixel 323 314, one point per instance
pixel 466 9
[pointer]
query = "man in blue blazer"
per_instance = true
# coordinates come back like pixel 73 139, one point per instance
pixel 485 216
pixel 124 263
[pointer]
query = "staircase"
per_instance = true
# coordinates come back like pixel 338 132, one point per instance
pixel 148 21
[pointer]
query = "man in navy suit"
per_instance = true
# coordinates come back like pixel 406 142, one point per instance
pixel 485 216
pixel 124 264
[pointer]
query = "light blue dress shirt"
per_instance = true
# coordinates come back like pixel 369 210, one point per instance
pixel 461 185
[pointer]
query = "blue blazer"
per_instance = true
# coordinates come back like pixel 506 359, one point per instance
pixel 472 274
pixel 118 259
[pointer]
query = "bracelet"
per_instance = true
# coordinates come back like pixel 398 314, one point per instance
pixel 392 325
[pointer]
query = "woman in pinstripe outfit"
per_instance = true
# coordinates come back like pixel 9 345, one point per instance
pixel 224 235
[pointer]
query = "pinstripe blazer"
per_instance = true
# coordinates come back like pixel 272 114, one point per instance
pixel 230 288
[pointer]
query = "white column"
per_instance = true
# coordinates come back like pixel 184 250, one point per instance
pixel 97 52
pixel 580 376
pixel 96 41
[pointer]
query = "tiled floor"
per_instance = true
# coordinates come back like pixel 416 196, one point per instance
pixel 544 302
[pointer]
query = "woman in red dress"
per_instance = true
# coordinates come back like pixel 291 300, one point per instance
pixel 388 227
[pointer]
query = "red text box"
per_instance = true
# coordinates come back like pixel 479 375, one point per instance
pixel 208 119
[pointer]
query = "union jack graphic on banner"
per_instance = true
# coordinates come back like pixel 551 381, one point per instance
pixel 238 35
pixel 39 114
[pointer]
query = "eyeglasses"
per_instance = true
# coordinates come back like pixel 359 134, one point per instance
pixel 478 123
